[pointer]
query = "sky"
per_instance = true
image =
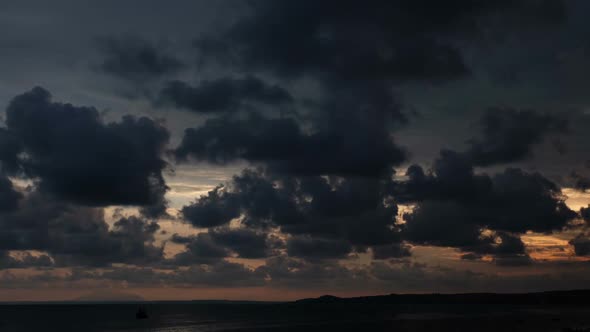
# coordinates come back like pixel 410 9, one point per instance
pixel 275 150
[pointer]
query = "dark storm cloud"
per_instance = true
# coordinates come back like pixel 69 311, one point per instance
pixel 327 217
pixel 180 239
pixel 132 239
pixel 200 249
pixel 581 182
pixel 326 183
pixel 509 250
pixel 317 248
pixel 452 177
pixel 217 208
pixel 222 242
pixel 79 158
pixel 454 205
pixel 76 235
pixel 513 260
pixel 285 147
pixel 222 95
pixel 585 213
pixel 509 135
pixel 396 250
pixel 346 129
pixel 10 148
pixel 522 201
pixel 581 244
pixel 442 224
pixel 250 193
pixel 246 243
pixel 509 244
pixel 136 60
pixel 516 202
pixel 534 200
pixel 401 40
pixel 9 196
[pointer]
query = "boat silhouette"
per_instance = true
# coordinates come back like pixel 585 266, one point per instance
pixel 141 313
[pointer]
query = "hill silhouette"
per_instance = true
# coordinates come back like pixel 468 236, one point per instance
pixel 571 297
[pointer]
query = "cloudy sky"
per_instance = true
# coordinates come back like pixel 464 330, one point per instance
pixel 275 150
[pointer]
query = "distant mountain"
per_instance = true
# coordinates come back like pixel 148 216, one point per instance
pixel 323 299
pixel 573 297
pixel 109 296
pixel 227 302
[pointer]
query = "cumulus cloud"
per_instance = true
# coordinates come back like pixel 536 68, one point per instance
pixel 514 200
pixel 217 208
pixel 334 216
pixel 396 250
pixel 350 209
pixel 10 148
pixel 325 188
pixel 581 182
pixel 455 206
pixel 246 243
pixel 222 242
pixel 330 217
pixel 508 135
pixel 76 235
pixel 9 196
pixel 223 95
pixel 78 157
pixel 200 249
pixel 581 244
pixel 317 248
pixel 285 147
pixel 393 40
pixel 585 213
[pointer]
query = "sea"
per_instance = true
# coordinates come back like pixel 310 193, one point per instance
pixel 239 317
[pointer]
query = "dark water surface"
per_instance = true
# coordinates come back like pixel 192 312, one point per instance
pixel 181 317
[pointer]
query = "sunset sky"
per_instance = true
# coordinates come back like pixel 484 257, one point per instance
pixel 274 150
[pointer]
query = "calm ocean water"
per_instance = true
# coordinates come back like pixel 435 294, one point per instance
pixel 189 317
pixel 180 317
pixel 121 317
